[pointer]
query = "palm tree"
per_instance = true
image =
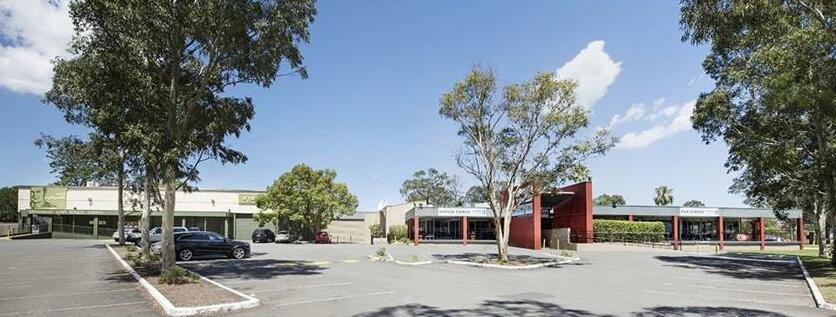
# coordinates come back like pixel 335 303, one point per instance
pixel 664 196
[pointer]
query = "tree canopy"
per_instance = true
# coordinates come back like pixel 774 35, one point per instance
pixel 74 161
pixel 604 199
pixel 693 203
pixel 306 198
pixel 530 135
pixel 774 69
pixel 8 204
pixel 432 187
pixel 664 196
pixel 153 75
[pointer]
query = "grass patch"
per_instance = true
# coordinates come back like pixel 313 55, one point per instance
pixel 819 267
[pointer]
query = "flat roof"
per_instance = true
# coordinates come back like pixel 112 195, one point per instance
pixel 669 211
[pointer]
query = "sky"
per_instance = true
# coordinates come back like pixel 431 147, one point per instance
pixel 369 109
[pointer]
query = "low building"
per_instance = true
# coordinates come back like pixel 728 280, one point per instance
pixel 92 212
pixel 571 208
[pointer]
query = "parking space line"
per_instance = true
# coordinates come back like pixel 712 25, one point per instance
pixel 291 278
pixel 321 263
pixel 69 309
pixel 27 281
pixel 713 298
pixel 331 299
pixel 741 282
pixel 279 289
pixel 350 261
pixel 69 294
pixel 734 289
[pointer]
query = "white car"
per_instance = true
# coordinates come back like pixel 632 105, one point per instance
pixel 156 234
pixel 131 235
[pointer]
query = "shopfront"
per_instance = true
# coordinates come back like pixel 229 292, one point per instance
pixel 450 225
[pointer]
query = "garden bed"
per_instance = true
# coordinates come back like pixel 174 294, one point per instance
pixel 491 260
pixel 198 296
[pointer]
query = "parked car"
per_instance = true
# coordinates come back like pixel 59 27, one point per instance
pixel 322 237
pixel 156 234
pixel 263 235
pixel 187 245
pixel 284 236
pixel 131 235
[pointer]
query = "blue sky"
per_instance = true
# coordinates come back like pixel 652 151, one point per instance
pixel 377 69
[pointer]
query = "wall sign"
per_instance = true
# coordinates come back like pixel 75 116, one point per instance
pixel 247 198
pixel 462 212
pixel 50 197
pixel 699 212
pixel 524 209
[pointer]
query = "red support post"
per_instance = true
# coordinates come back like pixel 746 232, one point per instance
pixel 800 230
pixel 416 229
pixel 761 233
pixel 464 230
pixel 675 227
pixel 721 232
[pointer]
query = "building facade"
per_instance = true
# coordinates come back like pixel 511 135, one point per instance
pixel 92 212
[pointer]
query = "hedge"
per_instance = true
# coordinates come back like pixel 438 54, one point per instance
pixel 397 233
pixel 628 231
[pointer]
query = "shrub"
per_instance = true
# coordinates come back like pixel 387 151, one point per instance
pixel 628 231
pixel 397 233
pixel 380 252
pixel 177 275
pixel 375 230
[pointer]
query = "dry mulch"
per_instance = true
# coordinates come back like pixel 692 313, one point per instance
pixel 200 293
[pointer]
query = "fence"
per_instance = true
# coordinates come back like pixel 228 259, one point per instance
pixel 10 229
pixel 81 232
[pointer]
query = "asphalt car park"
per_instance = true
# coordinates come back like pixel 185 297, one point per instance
pixel 339 280
pixel 79 278
pixel 66 278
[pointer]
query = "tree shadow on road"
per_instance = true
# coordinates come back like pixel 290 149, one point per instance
pixel 740 268
pixel 487 308
pixel 688 311
pixel 474 257
pixel 258 269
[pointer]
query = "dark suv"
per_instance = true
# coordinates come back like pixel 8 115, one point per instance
pixel 263 235
pixel 191 244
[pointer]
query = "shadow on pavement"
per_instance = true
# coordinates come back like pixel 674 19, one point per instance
pixel 483 257
pixel 252 268
pixel 704 311
pixel 741 268
pixel 487 308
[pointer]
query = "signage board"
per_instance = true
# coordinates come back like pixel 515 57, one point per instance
pixel 50 197
pixel 699 212
pixel 463 212
pixel 247 198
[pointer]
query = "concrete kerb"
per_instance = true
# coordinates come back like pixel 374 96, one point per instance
pixel 172 310
pixel 427 261
pixel 386 258
pixel 817 296
pixel 514 267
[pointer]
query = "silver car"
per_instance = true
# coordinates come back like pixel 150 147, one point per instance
pixel 283 236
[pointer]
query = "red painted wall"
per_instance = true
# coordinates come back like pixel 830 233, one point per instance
pixel 525 230
pixel 576 212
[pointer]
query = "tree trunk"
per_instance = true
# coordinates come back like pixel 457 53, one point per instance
pixel 120 204
pixel 821 226
pixel 169 258
pixel 145 222
pixel 501 250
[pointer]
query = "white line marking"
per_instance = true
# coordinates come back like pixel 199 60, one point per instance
pixel 279 289
pixel 69 308
pixel 733 289
pixel 330 299
pixel 693 296
pixel 785 284
pixel 69 294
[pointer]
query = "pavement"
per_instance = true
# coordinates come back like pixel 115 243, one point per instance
pixel 339 280
pixel 66 278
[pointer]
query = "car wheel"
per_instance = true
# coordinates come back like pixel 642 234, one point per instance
pixel 238 253
pixel 185 255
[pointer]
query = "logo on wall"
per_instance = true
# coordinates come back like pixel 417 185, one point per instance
pixel 699 212
pixel 462 212
pixel 522 210
pixel 247 199
pixel 51 197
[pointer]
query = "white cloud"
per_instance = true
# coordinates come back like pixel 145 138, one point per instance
pixel 636 112
pixel 677 119
pixel 594 70
pixel 32 33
